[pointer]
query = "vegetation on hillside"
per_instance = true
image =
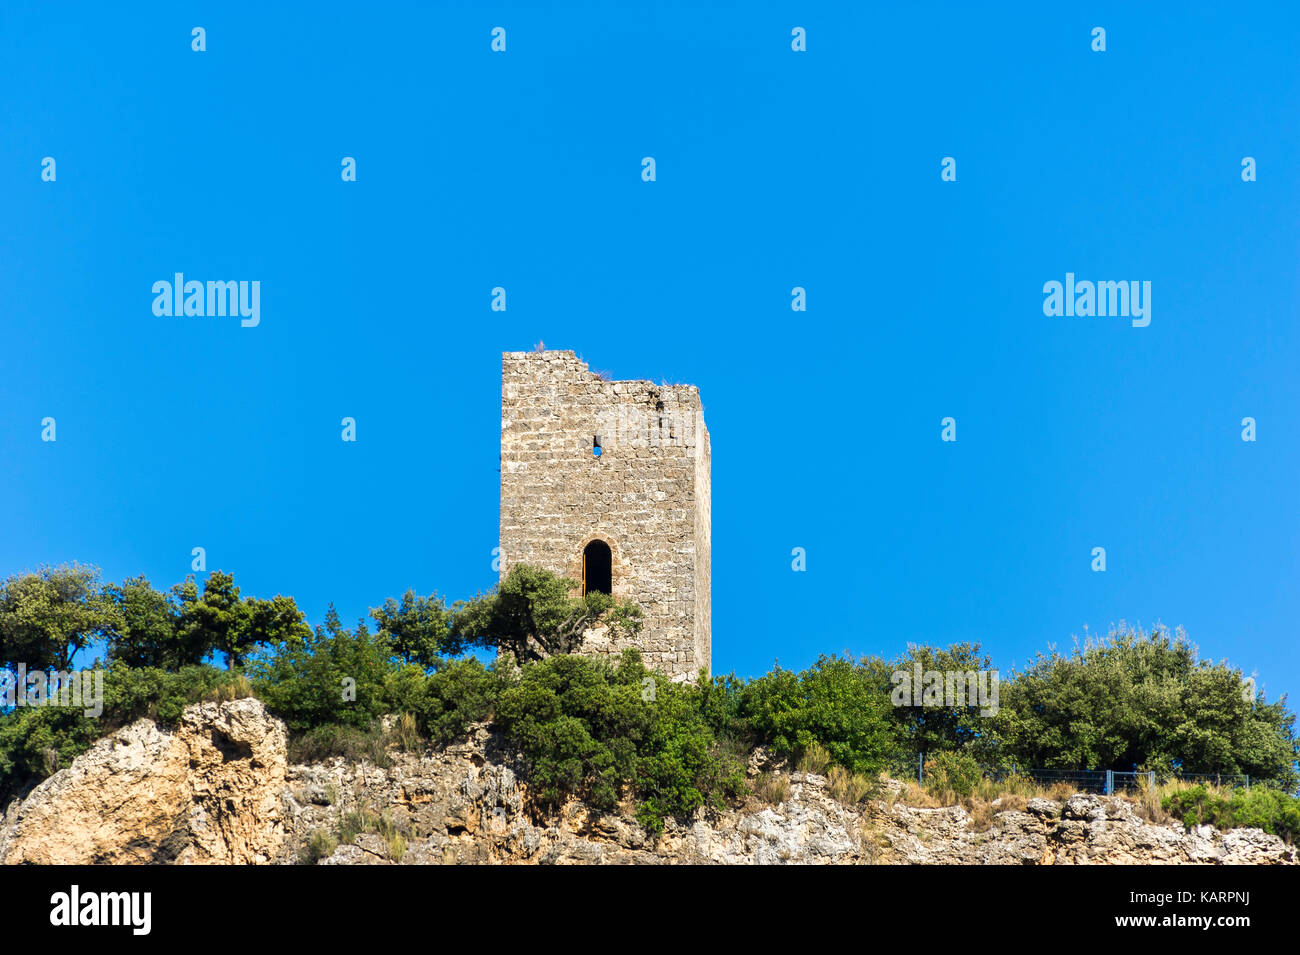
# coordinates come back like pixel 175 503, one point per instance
pixel 612 731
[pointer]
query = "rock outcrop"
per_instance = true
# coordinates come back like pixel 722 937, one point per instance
pixel 207 792
pixel 461 806
pixel 217 789
pixel 1082 830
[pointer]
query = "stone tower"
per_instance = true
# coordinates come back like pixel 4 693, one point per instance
pixel 607 482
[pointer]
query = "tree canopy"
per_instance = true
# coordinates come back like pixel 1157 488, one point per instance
pixel 533 614
pixel 1146 701
pixel 598 729
pixel 48 616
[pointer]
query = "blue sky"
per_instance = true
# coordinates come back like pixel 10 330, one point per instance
pixel 775 169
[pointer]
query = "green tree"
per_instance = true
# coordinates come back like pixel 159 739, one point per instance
pixel 419 629
pixel 598 731
pixel 922 727
pixel 220 621
pixel 532 615
pixel 146 632
pixel 833 703
pixel 447 701
pixel 48 616
pixel 1144 700
pixel 335 676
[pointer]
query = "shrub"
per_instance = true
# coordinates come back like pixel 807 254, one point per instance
pixel 1261 807
pixel 321 845
pixel 130 694
pixel 456 694
pixel 337 739
pixel 833 703
pixel 338 676
pixel 1144 699
pixel 596 731
pixel 955 773
pixel 36 741
pixel 682 765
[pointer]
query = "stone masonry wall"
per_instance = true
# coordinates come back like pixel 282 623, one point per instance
pixel 703 550
pixel 646 495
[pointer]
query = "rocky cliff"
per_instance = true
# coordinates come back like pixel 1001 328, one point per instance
pixel 209 791
pixel 218 789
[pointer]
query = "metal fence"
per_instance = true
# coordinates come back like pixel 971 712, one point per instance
pixel 1127 781
pixel 1104 781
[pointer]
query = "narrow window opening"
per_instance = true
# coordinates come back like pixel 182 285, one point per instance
pixel 597 568
pixel 595 445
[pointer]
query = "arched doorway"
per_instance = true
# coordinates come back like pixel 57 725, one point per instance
pixel 597 568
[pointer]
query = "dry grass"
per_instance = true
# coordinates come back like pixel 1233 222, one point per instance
pixel 1059 791
pixel 406 735
pixel 989 798
pixel 848 787
pixel 1022 786
pixel 982 815
pixel 772 788
pixel 1147 802
pixel 321 845
pixel 365 819
pixel 913 795
pixel 875 846
pixel 814 760
pixel 1013 802
pixel 1013 794
pixel 981 810
pixel 396 846
pixel 236 688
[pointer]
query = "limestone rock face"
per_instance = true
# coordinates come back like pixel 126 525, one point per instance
pixel 1084 830
pixel 466 805
pixel 217 790
pixel 208 792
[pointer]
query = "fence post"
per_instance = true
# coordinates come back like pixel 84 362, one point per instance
pixel 1109 786
pixel 920 767
pixel 1152 776
pixel 1248 780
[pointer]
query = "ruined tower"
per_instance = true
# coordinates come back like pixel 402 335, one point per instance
pixel 607 482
